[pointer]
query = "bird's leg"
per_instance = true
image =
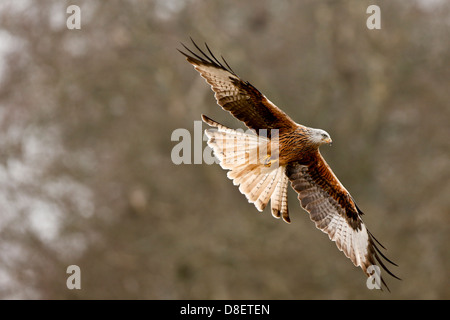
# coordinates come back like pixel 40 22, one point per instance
pixel 268 160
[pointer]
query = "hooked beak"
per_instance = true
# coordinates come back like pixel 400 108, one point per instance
pixel 329 141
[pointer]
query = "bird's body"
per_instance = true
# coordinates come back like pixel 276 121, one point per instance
pixel 291 154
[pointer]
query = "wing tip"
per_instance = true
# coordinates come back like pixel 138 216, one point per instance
pixel 376 258
pixel 204 58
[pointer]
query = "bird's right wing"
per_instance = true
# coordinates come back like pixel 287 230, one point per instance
pixel 334 212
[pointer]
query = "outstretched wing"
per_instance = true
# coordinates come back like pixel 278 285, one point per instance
pixel 238 97
pixel 334 212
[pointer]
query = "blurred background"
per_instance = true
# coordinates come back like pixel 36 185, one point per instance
pixel 86 118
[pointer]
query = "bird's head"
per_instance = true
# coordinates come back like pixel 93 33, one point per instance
pixel 319 137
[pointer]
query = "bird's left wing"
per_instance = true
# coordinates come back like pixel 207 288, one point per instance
pixel 333 210
pixel 235 95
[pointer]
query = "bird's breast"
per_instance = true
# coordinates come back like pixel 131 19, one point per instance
pixel 294 146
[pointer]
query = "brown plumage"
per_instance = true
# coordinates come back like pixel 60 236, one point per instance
pixel 292 155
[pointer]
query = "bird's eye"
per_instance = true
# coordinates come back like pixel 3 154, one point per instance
pixel 324 135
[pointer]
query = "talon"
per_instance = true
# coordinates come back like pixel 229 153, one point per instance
pixel 267 161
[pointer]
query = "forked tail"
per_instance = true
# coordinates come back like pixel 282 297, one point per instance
pixel 252 162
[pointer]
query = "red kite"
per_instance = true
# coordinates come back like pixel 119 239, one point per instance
pixel 297 160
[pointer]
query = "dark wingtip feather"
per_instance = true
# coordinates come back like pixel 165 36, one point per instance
pixel 197 57
pixel 205 58
pixel 378 250
pixel 379 256
pixel 228 66
pixel 212 55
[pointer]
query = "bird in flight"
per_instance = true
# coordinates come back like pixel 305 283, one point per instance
pixel 279 151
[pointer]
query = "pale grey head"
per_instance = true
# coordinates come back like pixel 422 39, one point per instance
pixel 319 137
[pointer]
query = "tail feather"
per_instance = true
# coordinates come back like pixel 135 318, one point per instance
pixel 279 204
pixel 277 199
pixel 268 190
pixel 260 181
